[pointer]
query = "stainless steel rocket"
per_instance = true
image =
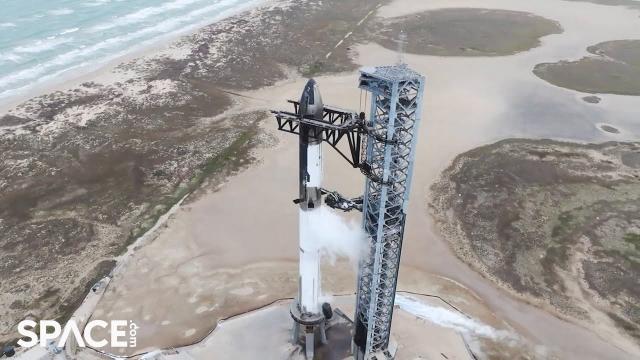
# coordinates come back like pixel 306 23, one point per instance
pixel 310 200
pixel 311 107
pixel 315 124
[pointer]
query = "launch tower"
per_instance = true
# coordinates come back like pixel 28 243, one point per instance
pixel 383 148
pixel 396 105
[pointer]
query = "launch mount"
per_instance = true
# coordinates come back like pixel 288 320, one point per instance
pixel 383 148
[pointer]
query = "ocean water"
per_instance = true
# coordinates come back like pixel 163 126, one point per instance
pixel 43 41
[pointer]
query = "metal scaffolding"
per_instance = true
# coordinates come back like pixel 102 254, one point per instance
pixel 396 104
pixel 383 148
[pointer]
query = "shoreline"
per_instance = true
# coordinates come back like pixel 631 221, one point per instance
pixel 106 71
pixel 449 225
pixel 108 74
pixel 210 124
pixel 290 85
pixel 269 155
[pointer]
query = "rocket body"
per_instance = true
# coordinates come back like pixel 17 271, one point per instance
pixel 310 200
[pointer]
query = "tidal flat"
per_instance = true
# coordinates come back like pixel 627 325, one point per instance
pixel 613 68
pixel 553 221
pixel 466 32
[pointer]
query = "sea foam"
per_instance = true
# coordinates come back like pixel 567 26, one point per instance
pixel 45 44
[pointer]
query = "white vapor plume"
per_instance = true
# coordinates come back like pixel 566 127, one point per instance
pixel 449 319
pixel 324 234
pixel 334 237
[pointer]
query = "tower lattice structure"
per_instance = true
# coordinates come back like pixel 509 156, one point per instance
pixel 389 153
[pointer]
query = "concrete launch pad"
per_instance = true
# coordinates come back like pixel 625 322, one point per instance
pixel 270 337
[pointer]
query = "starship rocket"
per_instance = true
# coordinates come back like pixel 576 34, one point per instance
pixel 311 107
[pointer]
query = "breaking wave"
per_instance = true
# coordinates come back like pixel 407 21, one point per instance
pixel 48 47
pixel 39 46
pixel 144 14
pixel 60 12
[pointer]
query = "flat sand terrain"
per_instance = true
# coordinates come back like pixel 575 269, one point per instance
pixel 87 168
pixel 232 247
pixel 469 102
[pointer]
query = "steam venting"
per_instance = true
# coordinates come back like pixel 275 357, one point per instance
pixel 333 237
pixel 450 319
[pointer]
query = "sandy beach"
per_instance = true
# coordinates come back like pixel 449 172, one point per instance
pixel 219 231
pixel 232 245
pixel 89 169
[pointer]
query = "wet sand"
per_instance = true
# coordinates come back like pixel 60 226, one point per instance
pixel 466 32
pixel 469 102
pixel 531 216
pixel 86 170
pixel 613 67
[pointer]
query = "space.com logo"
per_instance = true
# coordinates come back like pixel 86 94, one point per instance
pixel 123 333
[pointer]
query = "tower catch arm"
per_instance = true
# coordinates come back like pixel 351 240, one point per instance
pixel 335 125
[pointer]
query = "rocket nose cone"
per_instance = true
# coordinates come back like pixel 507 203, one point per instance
pixel 309 89
pixel 311 101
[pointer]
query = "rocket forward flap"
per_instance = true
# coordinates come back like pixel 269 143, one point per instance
pixel 311 105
